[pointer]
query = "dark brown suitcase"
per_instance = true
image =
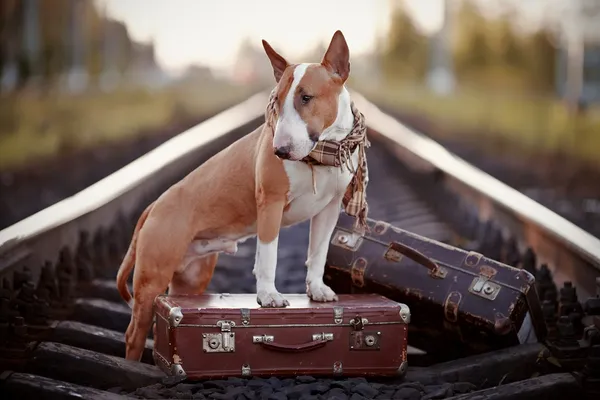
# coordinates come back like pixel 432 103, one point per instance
pixel 462 303
pixel 221 335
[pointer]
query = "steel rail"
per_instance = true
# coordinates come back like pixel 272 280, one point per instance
pixel 567 249
pixel 35 239
pixel 562 245
pixel 39 241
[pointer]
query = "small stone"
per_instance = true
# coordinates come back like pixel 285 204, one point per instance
pixel 288 382
pixel 378 386
pixel 337 394
pixel 437 392
pixel 274 382
pixel 216 384
pixel 463 387
pixel 305 379
pixel 310 397
pixel 257 383
pixel 234 391
pixel 278 396
pixel 407 393
pixel 265 393
pixel 168 393
pixel 116 390
pixel 365 390
pixel 199 396
pixel 356 396
pixel 319 388
pixel 345 385
pixel 184 395
pixel 211 391
pixel 297 391
pixel 221 396
pixel 233 381
pixel 357 381
pixel 148 393
pixel 385 395
pixel 415 385
pixel 191 387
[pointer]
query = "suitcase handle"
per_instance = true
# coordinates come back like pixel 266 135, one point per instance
pixel 294 348
pixel 417 257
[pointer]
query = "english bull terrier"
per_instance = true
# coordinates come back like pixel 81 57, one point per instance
pixel 304 162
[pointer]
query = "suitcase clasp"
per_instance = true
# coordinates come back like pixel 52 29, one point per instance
pixel 348 240
pixel 358 323
pixel 483 287
pixel 222 342
pixel 338 314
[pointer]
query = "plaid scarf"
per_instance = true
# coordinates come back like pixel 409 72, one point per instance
pixel 338 154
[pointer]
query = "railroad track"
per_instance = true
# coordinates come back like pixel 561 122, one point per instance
pixel 62 321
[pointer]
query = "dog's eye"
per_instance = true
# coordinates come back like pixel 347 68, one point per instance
pixel 306 98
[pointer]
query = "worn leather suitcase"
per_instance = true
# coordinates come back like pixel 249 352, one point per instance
pixel 221 335
pixel 462 303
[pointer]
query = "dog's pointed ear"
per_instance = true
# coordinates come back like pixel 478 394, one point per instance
pixel 278 63
pixel 337 56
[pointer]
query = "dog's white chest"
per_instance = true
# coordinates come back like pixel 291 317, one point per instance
pixel 304 203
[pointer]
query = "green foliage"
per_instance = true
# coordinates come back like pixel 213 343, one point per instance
pixel 405 53
pixel 505 91
pixel 34 127
pixel 486 52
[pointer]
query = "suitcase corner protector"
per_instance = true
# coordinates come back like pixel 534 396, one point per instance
pixel 175 317
pixel 178 371
pixel 402 369
pixel 405 313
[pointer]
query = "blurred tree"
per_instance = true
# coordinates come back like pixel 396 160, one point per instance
pixel 471 47
pixel 541 61
pixel 406 50
pixel 94 34
pixel 55 49
pixel 9 35
pixel 54 19
pixel 125 44
pixel 507 47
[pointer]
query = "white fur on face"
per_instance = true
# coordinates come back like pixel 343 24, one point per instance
pixel 291 130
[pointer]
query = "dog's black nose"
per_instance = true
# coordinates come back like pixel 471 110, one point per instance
pixel 282 152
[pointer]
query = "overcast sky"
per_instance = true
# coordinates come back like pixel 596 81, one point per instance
pixel 210 31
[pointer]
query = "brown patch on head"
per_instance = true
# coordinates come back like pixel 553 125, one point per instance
pixel 283 86
pixel 316 96
pixel 316 99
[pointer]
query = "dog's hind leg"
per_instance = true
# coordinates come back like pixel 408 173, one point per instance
pixel 195 277
pixel 145 290
pixel 158 257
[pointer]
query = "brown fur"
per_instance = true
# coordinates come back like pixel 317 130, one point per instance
pixel 243 184
pixel 240 191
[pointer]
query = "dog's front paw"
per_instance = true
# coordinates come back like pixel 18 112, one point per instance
pixel 319 291
pixel 271 299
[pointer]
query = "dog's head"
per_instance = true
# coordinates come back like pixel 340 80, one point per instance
pixel 312 101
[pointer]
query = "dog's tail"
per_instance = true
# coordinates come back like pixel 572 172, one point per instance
pixel 129 259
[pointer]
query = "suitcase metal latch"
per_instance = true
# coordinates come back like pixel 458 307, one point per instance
pixel 358 323
pixel 483 287
pixel 361 339
pixel 348 240
pixel 222 342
